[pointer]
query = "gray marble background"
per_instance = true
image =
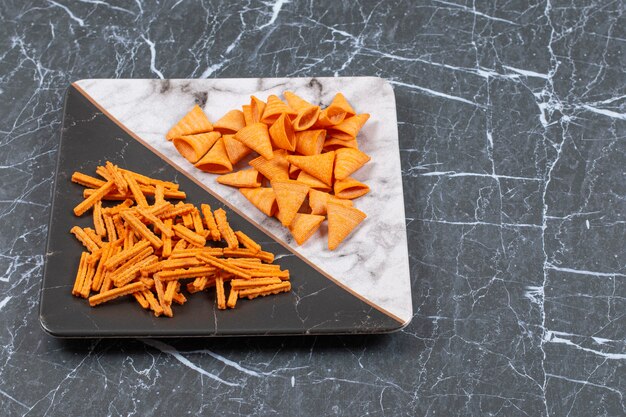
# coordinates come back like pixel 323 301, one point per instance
pixel 512 119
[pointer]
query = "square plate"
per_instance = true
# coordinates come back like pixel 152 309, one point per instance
pixel 362 287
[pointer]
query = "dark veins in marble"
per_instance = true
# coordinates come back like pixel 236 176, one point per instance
pixel 512 119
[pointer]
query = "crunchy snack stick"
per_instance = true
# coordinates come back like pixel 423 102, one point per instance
pixel 87 203
pixel 84 238
pixel 159 194
pixel 158 285
pixel 145 251
pixel 80 274
pixel 265 290
pixel 240 284
pixel 176 274
pixel 190 236
pixel 172 287
pixel 232 298
pixel 117 177
pixel 99 276
pixel 247 253
pixel 217 263
pixel 87 180
pixel 141 229
pixel 98 220
pixel 153 302
pixel 247 241
pixel 210 222
pixel 158 223
pixel 225 230
pixel 135 190
pixel 124 256
pixel 179 298
pixel 141 300
pixel 115 293
pixel 221 298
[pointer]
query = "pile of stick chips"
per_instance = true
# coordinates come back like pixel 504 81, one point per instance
pixel 306 156
pixel 149 250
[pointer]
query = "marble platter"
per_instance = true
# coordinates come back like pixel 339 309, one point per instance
pixel 362 287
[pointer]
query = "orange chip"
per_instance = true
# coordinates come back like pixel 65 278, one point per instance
pixel 294 171
pixel 304 225
pixel 318 201
pixel 274 108
pixel 312 182
pixel 330 116
pixel 256 137
pixel 257 107
pixel 350 188
pixel 332 144
pixel 289 196
pixel 235 150
pixel 307 112
pixel 192 123
pixel 349 128
pixel 282 134
pixel 296 102
pixel 231 122
pixel 306 118
pixel 310 142
pixel 340 101
pixel 263 198
pixel 216 160
pixel 247 114
pixel 249 178
pixel 342 221
pixel 320 166
pixel 347 161
pixel 273 169
pixel 194 147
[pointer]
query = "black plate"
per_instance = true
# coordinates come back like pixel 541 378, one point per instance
pixel 89 137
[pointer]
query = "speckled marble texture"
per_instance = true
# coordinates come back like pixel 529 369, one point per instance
pixel 512 119
pixel 373 261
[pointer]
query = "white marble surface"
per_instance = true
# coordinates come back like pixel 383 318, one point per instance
pixel 373 261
